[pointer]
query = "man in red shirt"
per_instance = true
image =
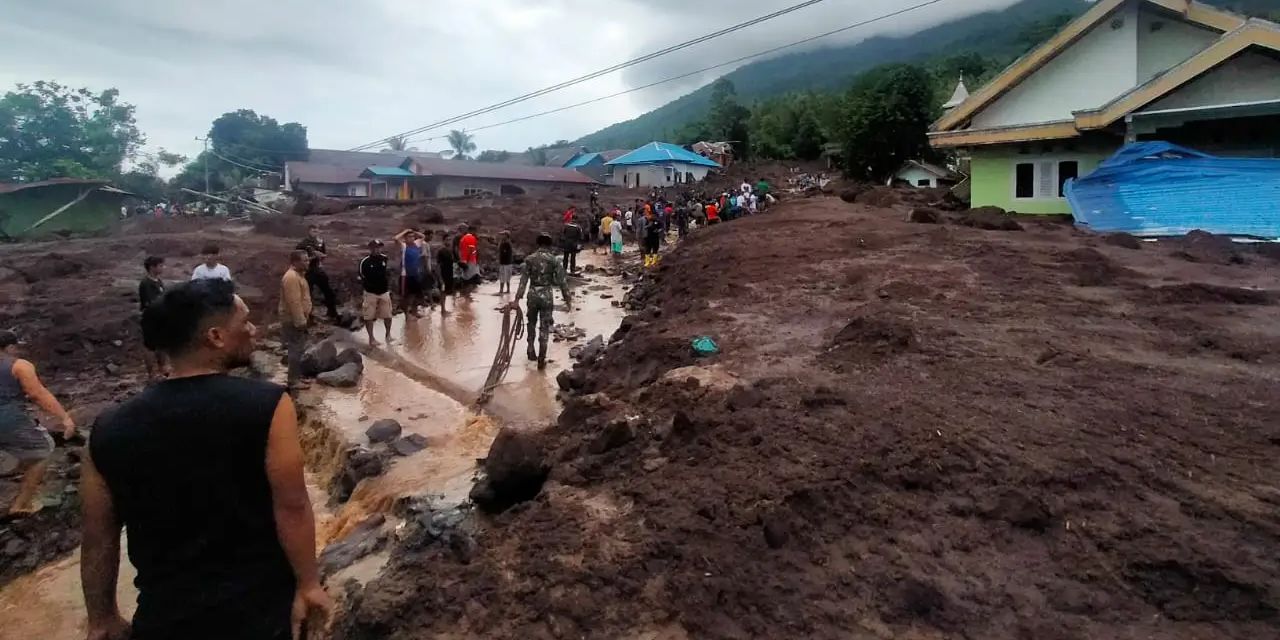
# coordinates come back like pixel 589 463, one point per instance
pixel 569 213
pixel 468 255
pixel 712 214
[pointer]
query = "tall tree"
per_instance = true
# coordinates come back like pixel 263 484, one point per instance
pixel 462 144
pixel 727 119
pixel 245 137
pixel 48 130
pixel 492 155
pixel 398 143
pixel 889 110
pixel 537 156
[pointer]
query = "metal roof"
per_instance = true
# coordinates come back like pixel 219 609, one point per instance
pixel 10 187
pixel 387 172
pixel 341 167
pixel 493 170
pixel 582 160
pixel 661 153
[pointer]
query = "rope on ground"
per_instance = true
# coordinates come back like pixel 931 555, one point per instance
pixel 512 331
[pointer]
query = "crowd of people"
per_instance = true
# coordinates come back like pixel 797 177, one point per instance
pixel 224 541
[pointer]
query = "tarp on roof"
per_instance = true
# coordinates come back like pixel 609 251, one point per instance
pixel 1162 189
pixel 662 153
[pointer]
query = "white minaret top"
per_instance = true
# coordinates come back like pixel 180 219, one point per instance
pixel 961 94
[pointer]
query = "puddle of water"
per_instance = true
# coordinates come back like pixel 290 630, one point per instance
pixel 48 604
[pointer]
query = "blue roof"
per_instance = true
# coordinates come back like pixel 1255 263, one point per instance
pixel 1161 189
pixel 582 160
pixel 385 172
pixel 664 152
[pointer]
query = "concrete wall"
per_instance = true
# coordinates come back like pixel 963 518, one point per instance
pixel 1097 68
pixel 324 189
pixel 1163 42
pixel 1249 77
pixel 657 175
pixel 994 170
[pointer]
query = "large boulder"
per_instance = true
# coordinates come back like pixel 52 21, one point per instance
pixel 384 430
pixel 409 444
pixel 514 471
pixel 348 375
pixel 358 463
pixel 321 357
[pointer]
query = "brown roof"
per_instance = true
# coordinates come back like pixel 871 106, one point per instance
pixel 497 171
pixel 326 166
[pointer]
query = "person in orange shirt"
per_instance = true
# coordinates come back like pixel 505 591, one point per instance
pixel 713 213
pixel 468 255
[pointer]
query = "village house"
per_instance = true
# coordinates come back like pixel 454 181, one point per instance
pixel 593 163
pixel 917 173
pixel 414 175
pixel 658 164
pixel 1125 71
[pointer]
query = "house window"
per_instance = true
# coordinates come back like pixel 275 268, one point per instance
pixel 1024 180
pixel 472 191
pixel 924 183
pixel 1067 169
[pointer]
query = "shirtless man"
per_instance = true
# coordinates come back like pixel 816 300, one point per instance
pixel 20 435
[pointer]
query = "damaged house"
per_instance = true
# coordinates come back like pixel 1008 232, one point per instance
pixel 1126 71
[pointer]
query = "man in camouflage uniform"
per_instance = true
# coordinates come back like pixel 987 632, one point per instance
pixel 542 271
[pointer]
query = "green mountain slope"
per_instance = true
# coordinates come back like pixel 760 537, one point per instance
pixel 998 34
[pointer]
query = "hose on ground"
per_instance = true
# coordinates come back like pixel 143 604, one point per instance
pixel 512 331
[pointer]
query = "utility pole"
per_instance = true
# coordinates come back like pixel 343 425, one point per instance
pixel 205 155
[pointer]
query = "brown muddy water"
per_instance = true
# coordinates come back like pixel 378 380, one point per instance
pixel 428 379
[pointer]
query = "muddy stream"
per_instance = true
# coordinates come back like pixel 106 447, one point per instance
pixel 428 380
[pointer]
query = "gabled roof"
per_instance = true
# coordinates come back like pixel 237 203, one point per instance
pixel 1022 68
pixel 492 170
pixel 582 160
pixel 1255 33
pixel 661 153
pixel 941 172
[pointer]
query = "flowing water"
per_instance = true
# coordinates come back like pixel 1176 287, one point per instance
pixel 428 380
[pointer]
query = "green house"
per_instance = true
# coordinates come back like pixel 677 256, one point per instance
pixel 61 205
pixel 1125 71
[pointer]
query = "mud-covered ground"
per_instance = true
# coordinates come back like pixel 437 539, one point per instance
pixel 910 431
pixel 75 303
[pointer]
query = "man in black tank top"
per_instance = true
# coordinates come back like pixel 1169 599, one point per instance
pixel 205 471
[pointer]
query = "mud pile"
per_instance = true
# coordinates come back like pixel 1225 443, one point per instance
pixel 909 431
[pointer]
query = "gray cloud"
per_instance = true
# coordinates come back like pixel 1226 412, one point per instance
pixel 356 71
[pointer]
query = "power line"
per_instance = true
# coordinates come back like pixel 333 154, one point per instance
pixel 694 73
pixel 595 74
pixel 216 155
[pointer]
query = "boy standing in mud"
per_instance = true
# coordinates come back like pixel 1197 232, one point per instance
pixel 150 288
pixel 542 271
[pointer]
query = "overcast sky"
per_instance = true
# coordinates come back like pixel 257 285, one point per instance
pixel 354 71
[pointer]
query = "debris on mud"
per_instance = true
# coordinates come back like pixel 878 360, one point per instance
pixel 989 218
pixel 514 471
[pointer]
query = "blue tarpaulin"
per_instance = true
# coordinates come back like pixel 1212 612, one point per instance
pixel 1162 189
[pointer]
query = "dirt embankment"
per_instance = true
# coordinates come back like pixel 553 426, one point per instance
pixel 911 430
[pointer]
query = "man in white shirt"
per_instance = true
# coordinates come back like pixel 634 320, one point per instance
pixel 211 269
pixel 745 188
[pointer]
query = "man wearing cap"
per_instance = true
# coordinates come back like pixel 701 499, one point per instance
pixel 376 280
pixel 542 272
pixel 20 435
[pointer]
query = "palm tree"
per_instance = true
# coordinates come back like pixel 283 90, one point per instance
pixel 397 143
pixel 461 143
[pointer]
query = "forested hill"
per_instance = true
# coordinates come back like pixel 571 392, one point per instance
pixel 1002 34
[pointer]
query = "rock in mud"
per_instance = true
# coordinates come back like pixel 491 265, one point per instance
pixel 366 538
pixel 615 434
pixel 591 350
pixel 744 397
pixel 924 215
pixel 989 218
pixel 409 444
pixel 776 526
pixel 514 471
pixel 384 430
pixel 320 358
pixel 572 379
pixel 350 355
pixel 360 463
pixel 348 375
pixel 1022 510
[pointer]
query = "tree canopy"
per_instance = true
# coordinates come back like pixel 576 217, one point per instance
pixel 886 122
pixel 462 144
pixel 242 145
pixel 48 130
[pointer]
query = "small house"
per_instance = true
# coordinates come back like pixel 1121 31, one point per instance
pixel 658 164
pixel 593 164
pixel 917 173
pixel 1125 71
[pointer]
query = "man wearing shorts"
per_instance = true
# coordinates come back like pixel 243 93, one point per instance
pixel 376 280
pixel 20 435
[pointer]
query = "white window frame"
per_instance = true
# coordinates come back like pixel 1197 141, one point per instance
pixel 472 190
pixel 1044 176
